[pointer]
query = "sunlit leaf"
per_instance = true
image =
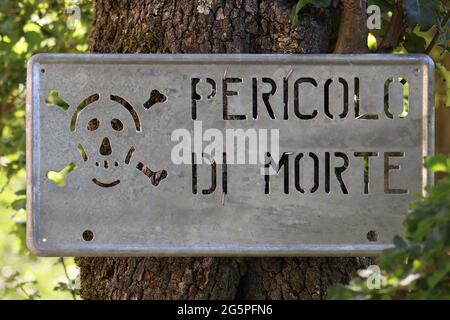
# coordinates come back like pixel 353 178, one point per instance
pixel 437 163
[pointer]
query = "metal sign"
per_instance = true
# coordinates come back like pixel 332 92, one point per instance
pixel 181 155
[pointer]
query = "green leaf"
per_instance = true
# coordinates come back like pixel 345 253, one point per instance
pixel 21 192
pixel 19 204
pixel 437 277
pixel 423 250
pixel 27 27
pixel 437 163
pixel 33 38
pixel 414 43
pixel 423 228
pixel 424 13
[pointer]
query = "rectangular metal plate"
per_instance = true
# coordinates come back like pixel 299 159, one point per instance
pixel 119 210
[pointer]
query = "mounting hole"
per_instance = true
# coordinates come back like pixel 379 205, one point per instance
pixel 42 70
pixel 88 235
pixel 372 235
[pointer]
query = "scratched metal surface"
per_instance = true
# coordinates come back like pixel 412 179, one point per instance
pixel 137 218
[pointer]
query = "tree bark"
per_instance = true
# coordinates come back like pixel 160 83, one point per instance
pixel 210 26
pixel 392 37
pixel 353 27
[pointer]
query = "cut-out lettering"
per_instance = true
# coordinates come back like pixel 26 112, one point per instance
pixel 387 168
pixel 266 95
pixel 195 96
pixel 339 170
pixel 327 98
pixel 283 163
pixel 366 156
pixel 387 107
pixel 224 173
pixel 229 93
pixel 297 98
pixel 286 98
pixel 297 173
pixel 357 101
pixel 213 178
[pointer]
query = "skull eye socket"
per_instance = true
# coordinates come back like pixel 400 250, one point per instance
pixel 116 124
pixel 93 124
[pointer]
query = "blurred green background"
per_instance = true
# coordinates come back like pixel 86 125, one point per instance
pixel 32 26
pixel 28 27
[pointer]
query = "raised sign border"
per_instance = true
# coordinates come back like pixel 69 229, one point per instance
pixel 213 250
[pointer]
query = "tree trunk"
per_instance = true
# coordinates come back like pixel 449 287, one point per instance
pixel 353 27
pixel 210 26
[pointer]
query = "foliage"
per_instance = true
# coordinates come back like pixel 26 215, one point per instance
pixel 421 16
pixel 28 27
pixel 425 13
pixel 425 30
pixel 13 283
pixel 419 265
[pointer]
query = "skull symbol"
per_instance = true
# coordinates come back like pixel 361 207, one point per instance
pixel 105 147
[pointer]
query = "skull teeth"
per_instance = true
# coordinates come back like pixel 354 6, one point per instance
pixel 106 164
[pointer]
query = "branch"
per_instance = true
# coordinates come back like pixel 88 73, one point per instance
pixel 72 292
pixel 392 37
pixel 353 27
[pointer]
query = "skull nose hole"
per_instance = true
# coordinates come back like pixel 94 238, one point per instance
pixel 105 147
